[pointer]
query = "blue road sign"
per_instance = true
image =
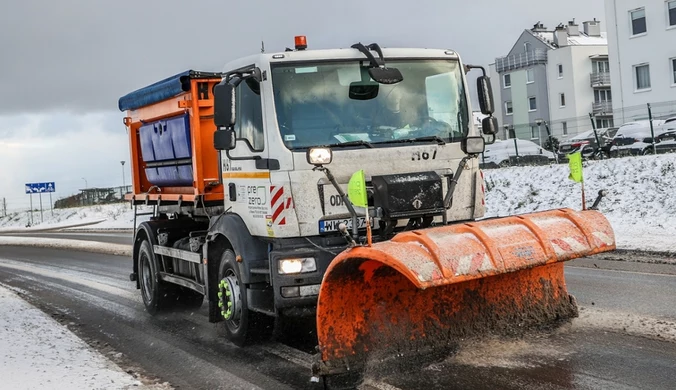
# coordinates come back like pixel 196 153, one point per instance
pixel 36 188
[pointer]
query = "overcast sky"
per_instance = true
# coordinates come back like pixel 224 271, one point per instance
pixel 64 64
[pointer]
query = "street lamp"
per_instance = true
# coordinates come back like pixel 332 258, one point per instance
pixel 84 192
pixel 123 189
pixel 123 183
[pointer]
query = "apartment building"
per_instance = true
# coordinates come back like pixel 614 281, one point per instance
pixel 557 77
pixel 642 46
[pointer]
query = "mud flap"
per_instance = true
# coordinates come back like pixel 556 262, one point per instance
pixel 424 290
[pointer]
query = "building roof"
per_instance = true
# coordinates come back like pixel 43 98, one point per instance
pixel 576 40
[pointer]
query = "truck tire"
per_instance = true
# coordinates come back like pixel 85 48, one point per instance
pixel 242 326
pixel 156 294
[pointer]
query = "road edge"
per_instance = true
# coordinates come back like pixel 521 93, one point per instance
pixel 68 244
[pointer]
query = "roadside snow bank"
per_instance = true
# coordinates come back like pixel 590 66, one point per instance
pixel 38 352
pixel 640 205
pixel 109 216
pixel 63 243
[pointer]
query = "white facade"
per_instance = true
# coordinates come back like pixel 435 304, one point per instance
pixel 642 42
pixel 555 76
pixel 572 95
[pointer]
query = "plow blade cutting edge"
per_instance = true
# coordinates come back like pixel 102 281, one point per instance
pixel 424 290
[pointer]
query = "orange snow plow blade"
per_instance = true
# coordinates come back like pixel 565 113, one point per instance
pixel 426 289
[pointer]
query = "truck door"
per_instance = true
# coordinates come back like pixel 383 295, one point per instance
pixel 246 180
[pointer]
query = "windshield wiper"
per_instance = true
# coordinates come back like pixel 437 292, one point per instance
pixel 434 138
pixel 353 143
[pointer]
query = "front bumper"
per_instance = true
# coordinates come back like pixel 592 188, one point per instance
pixel 297 294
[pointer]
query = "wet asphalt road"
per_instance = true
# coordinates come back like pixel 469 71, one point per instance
pixel 93 296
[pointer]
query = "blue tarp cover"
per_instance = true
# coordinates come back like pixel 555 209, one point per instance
pixel 162 90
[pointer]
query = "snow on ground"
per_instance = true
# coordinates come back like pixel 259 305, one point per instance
pixel 109 216
pixel 640 205
pixel 38 352
pixel 641 201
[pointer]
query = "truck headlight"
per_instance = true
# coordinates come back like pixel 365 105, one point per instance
pixel 297 266
pixel 319 156
pixel 473 145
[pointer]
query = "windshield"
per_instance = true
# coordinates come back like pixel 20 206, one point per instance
pixel 334 103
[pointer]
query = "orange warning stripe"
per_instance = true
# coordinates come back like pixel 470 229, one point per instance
pixel 246 175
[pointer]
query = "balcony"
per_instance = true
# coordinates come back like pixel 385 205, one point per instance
pixel 602 108
pixel 518 61
pixel 601 79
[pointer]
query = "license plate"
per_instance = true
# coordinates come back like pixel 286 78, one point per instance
pixel 331 225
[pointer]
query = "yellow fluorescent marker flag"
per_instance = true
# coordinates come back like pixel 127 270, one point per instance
pixel 575 164
pixel 356 189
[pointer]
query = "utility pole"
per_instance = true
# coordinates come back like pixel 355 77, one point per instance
pixel 4 207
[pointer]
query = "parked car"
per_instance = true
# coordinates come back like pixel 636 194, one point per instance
pixel 503 153
pixel 587 145
pixel 634 138
pixel 665 142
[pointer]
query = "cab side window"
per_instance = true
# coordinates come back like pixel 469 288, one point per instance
pixel 249 125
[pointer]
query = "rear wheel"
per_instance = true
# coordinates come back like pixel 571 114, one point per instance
pixel 242 326
pixel 156 294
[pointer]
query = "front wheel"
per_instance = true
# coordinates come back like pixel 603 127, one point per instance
pixel 242 326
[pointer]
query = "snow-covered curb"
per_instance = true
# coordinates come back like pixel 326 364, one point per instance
pixel 63 243
pixel 38 352
pixel 47 228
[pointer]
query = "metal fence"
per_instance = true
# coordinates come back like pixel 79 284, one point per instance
pixel 554 136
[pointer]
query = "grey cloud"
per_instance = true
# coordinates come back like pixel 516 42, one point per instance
pixel 83 55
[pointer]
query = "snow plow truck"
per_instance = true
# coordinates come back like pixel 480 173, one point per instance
pixel 342 184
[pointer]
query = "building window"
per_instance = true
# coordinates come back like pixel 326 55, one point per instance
pixel 638 23
pixel 671 13
pixel 532 106
pixel 601 67
pixel 562 99
pixel 530 76
pixel 642 73
pixel 507 80
pixel 560 67
pixel 602 95
pixel 508 108
pixel 527 47
pixel 673 70
pixel 604 123
pixel 564 128
pixel 534 132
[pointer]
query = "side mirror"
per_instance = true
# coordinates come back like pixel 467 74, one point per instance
pixel 224 105
pixel 489 125
pixel 485 94
pixel 224 139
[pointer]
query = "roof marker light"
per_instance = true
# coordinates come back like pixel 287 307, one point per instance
pixel 301 42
